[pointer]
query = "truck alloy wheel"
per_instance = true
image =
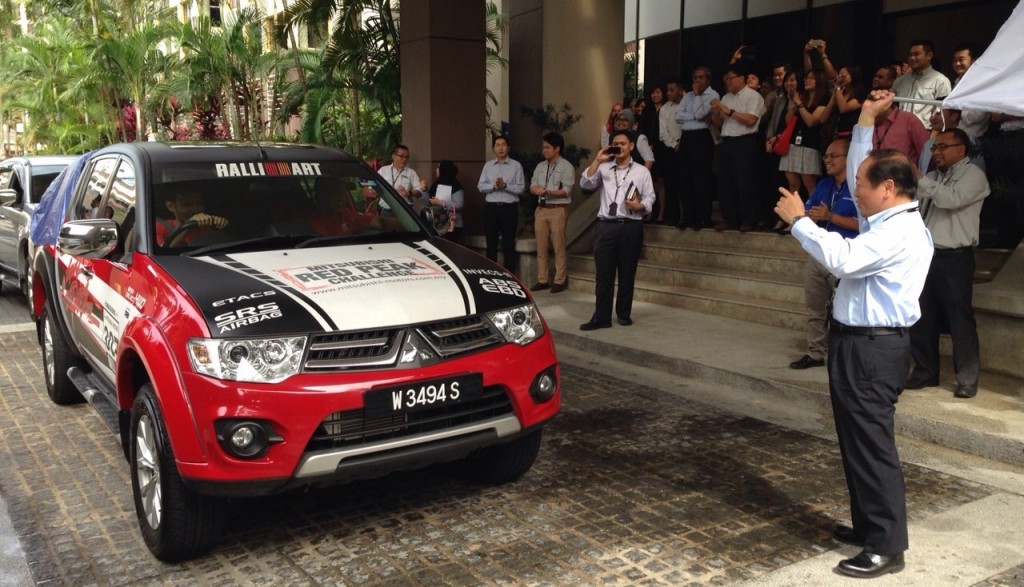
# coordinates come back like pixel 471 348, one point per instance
pixel 176 524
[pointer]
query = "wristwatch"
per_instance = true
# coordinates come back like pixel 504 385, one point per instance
pixel 795 218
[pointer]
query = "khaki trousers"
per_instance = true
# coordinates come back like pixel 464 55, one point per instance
pixel 549 227
pixel 818 287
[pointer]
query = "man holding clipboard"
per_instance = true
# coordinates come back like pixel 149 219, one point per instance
pixel 627 194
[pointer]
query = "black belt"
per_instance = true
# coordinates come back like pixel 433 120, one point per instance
pixel 502 203
pixel 705 129
pixel 747 136
pixel 868 330
pixel 620 220
pixel 956 251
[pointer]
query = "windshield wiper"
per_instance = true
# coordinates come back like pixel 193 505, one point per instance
pixel 276 239
pixel 375 236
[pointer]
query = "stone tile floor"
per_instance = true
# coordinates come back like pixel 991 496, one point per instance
pixel 633 487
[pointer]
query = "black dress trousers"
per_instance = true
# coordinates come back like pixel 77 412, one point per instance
pixel 617 246
pixel 866 375
pixel 500 224
pixel 947 298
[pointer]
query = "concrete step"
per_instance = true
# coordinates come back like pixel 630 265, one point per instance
pixel 786 287
pixel 762 241
pixel 750 362
pixel 727 258
pixel 715 303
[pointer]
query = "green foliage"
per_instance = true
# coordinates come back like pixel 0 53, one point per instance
pixel 551 119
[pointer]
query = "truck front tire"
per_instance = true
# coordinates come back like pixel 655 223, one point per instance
pixel 176 523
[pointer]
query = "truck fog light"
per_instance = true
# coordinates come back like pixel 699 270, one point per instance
pixel 242 437
pixel 544 385
pixel 245 439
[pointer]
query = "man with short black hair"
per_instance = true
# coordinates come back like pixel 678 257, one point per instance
pixel 501 182
pixel 737 114
pixel 669 132
pixel 922 82
pixel 831 206
pixel 627 194
pixel 552 184
pixel 882 273
pixel 951 200
pixel 972 122
pixel 884 78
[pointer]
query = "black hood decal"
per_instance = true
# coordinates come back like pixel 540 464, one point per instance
pixel 239 305
pixel 491 286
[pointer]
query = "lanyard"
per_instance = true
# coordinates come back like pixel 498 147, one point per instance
pixel 619 184
pixel 394 178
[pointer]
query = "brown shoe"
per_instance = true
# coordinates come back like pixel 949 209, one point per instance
pixel 538 286
pixel 558 288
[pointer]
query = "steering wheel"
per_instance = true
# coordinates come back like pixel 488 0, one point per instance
pixel 179 231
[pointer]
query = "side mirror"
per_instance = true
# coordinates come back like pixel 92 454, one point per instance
pixel 8 197
pixel 436 217
pixel 93 239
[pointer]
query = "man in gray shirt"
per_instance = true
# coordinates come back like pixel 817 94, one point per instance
pixel 951 199
pixel 922 82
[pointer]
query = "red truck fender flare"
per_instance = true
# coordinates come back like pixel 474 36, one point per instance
pixel 164 375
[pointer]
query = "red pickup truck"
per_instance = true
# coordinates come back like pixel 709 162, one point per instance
pixel 249 319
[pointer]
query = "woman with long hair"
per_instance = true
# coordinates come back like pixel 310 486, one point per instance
pixel 802 164
pixel 846 99
pixel 447 175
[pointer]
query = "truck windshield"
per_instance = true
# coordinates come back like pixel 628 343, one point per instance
pixel 339 200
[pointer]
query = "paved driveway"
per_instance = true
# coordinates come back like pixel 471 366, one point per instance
pixel 633 486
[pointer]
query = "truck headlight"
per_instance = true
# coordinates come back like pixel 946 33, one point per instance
pixel 244 359
pixel 521 325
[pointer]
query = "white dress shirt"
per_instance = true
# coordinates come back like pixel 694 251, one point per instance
pixel 882 270
pixel 616 183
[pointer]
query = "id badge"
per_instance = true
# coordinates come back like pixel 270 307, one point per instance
pixel 799 140
pixel 612 208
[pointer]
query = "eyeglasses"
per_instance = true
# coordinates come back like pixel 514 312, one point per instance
pixel 406 156
pixel 729 78
pixel 828 156
pixel 940 147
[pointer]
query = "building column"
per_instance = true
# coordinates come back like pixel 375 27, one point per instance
pixel 443 92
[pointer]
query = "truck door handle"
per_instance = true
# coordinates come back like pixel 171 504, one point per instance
pixel 87 273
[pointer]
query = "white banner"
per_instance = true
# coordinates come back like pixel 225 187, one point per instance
pixel 995 83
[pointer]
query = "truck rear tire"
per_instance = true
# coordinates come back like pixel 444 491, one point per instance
pixel 57 359
pixel 176 523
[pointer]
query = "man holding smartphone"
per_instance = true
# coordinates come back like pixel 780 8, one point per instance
pixel 627 194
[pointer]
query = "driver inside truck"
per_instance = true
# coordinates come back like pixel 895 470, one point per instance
pixel 186 204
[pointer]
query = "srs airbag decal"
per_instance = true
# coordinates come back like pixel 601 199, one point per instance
pixel 327 277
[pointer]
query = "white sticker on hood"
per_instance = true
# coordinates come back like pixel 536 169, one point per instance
pixel 331 276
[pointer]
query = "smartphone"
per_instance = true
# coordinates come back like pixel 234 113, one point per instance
pixel 614 150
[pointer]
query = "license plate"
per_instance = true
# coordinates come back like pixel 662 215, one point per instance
pixel 423 395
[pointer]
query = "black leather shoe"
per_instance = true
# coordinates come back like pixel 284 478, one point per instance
pixel 626 321
pixel 558 288
pixel 594 325
pixel 846 535
pixel 538 286
pixel 965 391
pixel 806 362
pixel 919 382
pixel 867 565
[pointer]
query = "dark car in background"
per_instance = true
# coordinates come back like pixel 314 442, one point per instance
pixel 22 183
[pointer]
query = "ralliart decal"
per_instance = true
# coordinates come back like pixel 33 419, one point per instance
pixel 265 168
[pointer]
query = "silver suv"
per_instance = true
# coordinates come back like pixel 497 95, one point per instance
pixel 22 183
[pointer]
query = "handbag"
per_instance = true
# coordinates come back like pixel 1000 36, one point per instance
pixel 781 146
